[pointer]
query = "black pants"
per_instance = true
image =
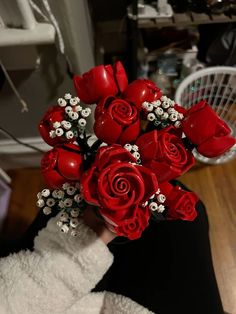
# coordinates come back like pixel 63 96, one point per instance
pixel 168 270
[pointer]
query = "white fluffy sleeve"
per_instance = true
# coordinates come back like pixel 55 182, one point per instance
pixel 61 270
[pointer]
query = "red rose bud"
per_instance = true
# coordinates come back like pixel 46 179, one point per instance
pixel 54 114
pixel 117 186
pixel 116 121
pixel 164 153
pixel 141 90
pixel 180 204
pixel 133 227
pixel 62 164
pixel 101 81
pixel 204 128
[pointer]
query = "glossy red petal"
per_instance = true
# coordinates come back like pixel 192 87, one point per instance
pixel 88 184
pixel 150 182
pixel 147 144
pixel 216 146
pixel 69 162
pixel 53 179
pixel 106 129
pixel 120 75
pixel 130 133
pixel 96 84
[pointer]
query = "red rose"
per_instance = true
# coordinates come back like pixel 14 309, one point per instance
pixel 180 204
pixel 101 81
pixel 62 164
pixel 116 121
pixel 118 186
pixel 164 153
pixel 54 114
pixel 141 90
pixel 204 128
pixel 133 228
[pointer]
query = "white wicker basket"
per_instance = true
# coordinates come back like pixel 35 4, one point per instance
pixel 216 85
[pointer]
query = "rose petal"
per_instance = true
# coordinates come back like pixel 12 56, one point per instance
pixel 69 162
pixel 113 154
pixel 89 186
pixel 106 129
pixel 130 133
pixel 216 146
pixel 150 182
pixel 53 179
pixel 163 171
pixel 120 75
pixel 147 145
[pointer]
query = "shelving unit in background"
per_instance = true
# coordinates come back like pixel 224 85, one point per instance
pixel 136 22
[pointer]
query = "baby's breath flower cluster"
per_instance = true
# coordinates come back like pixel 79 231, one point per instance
pixel 156 202
pixel 133 149
pixel 162 111
pixel 68 201
pixel 75 118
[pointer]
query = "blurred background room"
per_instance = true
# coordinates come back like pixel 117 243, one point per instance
pixel 43 43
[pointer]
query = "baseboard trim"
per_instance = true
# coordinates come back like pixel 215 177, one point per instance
pixel 12 147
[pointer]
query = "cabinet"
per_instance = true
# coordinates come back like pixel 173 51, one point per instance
pixel 136 23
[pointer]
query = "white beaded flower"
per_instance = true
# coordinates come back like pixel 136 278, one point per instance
pixel 82 122
pixel 68 202
pixel 66 124
pixel 68 109
pixel 50 202
pixel 71 190
pixel 67 96
pixel 161 198
pixel 73 115
pixel 56 124
pixel 65 228
pixel 40 203
pixel 73 101
pixel 47 210
pixel 61 102
pixel 69 135
pixel 45 192
pixel 59 132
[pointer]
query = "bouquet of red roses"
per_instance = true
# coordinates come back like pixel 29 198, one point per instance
pixel 143 141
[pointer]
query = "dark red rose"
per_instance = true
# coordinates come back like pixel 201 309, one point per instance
pixel 116 121
pixel 101 81
pixel 204 128
pixel 54 114
pixel 62 164
pixel 164 153
pixel 133 227
pixel 180 204
pixel 141 90
pixel 116 185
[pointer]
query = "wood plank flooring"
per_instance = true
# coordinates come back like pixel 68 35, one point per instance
pixel 215 185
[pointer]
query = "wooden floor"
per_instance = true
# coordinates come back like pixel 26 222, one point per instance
pixel 215 185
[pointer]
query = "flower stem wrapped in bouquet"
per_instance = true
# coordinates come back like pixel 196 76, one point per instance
pixel 144 140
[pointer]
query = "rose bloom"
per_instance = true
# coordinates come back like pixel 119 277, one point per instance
pixel 119 188
pixel 116 121
pixel 164 153
pixel 180 204
pixel 204 128
pixel 101 81
pixel 141 90
pixel 62 164
pixel 53 114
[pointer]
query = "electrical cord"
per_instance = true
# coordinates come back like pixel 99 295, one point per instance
pixel 14 89
pixel 8 134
